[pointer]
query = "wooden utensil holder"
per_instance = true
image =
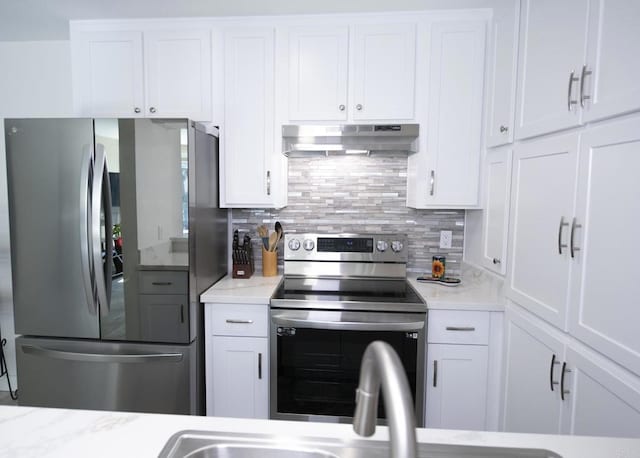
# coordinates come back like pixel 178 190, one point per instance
pixel 269 263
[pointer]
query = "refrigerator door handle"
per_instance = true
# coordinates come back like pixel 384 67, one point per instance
pixel 101 357
pixel 108 226
pixel 101 267
pixel 86 260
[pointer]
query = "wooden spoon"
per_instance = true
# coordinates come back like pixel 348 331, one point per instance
pixel 273 241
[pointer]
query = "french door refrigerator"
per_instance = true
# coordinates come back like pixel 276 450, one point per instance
pixel 115 232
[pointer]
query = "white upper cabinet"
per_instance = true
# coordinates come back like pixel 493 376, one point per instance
pixel 552 38
pixel 575 63
pixel 249 160
pixel 445 173
pixel 178 73
pixel 501 72
pixel 384 61
pixel 108 71
pixel 544 174
pixel 380 58
pixel 159 73
pixel 613 85
pixel 318 63
pixel 497 170
pixel 603 245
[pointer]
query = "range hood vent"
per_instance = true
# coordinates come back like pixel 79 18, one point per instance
pixel 305 141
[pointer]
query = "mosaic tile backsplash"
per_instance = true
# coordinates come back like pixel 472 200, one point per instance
pixel 358 194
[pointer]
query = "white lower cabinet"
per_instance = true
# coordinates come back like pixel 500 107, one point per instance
pixel 457 386
pixel 240 377
pixel 556 385
pixel 458 367
pixel 237 360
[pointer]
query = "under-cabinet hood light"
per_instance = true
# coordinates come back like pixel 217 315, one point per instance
pixel 312 140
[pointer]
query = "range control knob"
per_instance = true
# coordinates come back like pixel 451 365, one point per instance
pixel 397 246
pixel 308 244
pixel 382 245
pixel 294 244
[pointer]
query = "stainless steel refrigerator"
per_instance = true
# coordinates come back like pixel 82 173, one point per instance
pixel 115 232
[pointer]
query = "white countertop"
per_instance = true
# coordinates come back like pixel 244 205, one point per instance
pixel 254 290
pixel 36 432
pixel 478 290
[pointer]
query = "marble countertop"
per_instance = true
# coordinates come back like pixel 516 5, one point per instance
pixel 254 290
pixel 38 432
pixel 478 290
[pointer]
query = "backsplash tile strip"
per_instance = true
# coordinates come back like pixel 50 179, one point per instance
pixel 358 194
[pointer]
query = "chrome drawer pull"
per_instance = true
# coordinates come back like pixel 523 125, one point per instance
pixel 240 321
pixel 460 328
pixel 161 283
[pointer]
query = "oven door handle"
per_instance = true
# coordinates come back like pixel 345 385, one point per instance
pixel 361 325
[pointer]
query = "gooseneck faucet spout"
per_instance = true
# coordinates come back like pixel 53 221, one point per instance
pixel 381 366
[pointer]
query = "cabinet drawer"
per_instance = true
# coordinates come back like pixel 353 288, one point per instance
pixel 251 320
pixel 458 327
pixel 163 282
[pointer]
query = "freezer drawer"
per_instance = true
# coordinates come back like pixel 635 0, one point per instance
pixel 107 376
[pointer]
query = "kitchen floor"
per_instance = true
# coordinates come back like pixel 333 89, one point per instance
pixel 5 399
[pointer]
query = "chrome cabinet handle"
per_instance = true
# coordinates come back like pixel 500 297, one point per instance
pixel 496 261
pixel 342 107
pixel 259 366
pixel 432 179
pixel 460 328
pixel 136 110
pixel 503 129
pixel 268 182
pixel 435 373
pixel 358 107
pixel 572 247
pixel 572 79
pixel 553 363
pixel 161 283
pixel 583 97
pixel 152 109
pixel 239 321
pixel 562 390
pixel 560 244
pixel 181 313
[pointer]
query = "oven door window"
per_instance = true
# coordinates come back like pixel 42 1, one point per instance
pixel 318 370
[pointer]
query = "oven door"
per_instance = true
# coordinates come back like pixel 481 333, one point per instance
pixel 316 355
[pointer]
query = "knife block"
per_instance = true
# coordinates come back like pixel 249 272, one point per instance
pixel 243 265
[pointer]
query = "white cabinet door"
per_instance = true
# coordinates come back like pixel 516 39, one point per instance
pixel 502 70
pixel 541 210
pixel 533 363
pixel 318 63
pixel 108 74
pixel 456 386
pixel 605 287
pixel 178 74
pixel 248 131
pixel 240 377
pixel 552 41
pixel 496 210
pixel 449 161
pixel 384 59
pixel 614 85
pixel 606 399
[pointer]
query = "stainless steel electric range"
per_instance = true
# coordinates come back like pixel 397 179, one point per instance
pixel 339 293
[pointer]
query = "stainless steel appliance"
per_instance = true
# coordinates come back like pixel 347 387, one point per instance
pixel 115 232
pixel 339 293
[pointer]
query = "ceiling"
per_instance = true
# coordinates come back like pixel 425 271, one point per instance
pixel 23 20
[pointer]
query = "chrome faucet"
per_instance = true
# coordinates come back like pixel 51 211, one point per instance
pixel 381 365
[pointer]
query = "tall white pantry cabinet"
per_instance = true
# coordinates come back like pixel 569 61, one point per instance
pixel 572 350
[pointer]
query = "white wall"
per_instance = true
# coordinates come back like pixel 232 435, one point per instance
pixel 35 81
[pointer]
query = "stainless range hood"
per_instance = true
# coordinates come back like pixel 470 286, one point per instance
pixel 305 141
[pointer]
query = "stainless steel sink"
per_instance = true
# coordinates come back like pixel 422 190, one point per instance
pixel 205 444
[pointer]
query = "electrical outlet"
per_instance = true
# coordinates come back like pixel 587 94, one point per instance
pixel 445 239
